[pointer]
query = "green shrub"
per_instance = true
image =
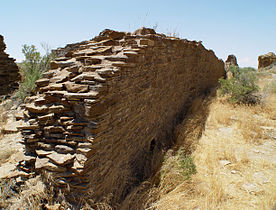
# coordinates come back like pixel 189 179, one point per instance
pixel 32 68
pixel 187 165
pixel 242 87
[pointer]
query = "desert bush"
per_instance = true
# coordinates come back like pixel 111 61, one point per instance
pixel 242 87
pixel 32 68
pixel 187 165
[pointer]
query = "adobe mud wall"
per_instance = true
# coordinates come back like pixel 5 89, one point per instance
pixel 107 108
pixel 9 73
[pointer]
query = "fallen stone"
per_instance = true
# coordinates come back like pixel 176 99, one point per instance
pixel 12 127
pixel 6 170
pixel 224 162
pixel 251 187
pixel 233 172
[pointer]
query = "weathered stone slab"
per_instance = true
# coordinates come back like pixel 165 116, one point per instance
pixel 76 96
pixel 63 149
pixel 44 163
pixel 61 159
pixel 37 109
pixel 76 88
pixel 42 82
pixel 54 129
pixel 42 153
pixel 88 76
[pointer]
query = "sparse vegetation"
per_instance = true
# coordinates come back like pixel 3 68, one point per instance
pixel 230 158
pixel 187 165
pixel 270 87
pixel 7 190
pixel 242 87
pixel 3 119
pixel 32 67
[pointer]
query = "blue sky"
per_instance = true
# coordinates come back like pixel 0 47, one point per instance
pixel 246 28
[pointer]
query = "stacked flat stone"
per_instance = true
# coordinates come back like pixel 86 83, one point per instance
pixel 108 106
pixel 9 73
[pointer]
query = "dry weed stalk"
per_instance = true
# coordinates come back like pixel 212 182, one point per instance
pixel 3 119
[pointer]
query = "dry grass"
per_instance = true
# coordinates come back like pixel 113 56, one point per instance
pixel 231 133
pixel 28 197
pixel 3 119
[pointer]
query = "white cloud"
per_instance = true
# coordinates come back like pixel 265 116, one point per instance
pixel 248 61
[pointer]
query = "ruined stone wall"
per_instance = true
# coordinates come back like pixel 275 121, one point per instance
pixel 106 110
pixel 9 74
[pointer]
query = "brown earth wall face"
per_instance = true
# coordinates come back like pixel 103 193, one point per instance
pixel 106 111
pixel 9 73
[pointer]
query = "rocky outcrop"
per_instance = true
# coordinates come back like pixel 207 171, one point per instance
pixel 106 109
pixel 9 73
pixel 230 61
pixel 266 60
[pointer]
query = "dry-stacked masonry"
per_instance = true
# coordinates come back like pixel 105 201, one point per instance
pixel 106 109
pixel 9 73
